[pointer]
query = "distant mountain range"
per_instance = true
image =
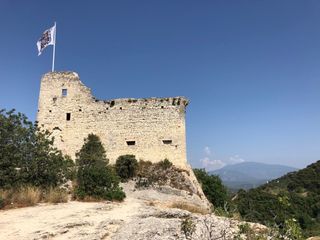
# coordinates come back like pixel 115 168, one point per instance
pixel 248 175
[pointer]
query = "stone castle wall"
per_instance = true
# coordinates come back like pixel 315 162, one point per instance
pixel 152 129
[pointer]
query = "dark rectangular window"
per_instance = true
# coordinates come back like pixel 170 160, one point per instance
pixel 68 116
pixel 131 143
pixel 167 141
pixel 64 92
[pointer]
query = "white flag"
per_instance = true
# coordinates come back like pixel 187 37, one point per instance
pixel 47 38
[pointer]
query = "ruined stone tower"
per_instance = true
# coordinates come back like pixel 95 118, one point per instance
pixel 152 129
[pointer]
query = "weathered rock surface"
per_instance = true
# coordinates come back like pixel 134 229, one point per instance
pixel 145 214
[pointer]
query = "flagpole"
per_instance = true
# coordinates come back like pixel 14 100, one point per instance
pixel 54 46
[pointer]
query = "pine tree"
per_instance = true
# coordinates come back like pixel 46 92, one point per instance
pixel 95 178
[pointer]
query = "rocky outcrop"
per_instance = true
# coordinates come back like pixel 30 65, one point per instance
pixel 173 181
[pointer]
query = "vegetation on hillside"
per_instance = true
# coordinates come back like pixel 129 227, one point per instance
pixel 33 170
pixel 213 188
pixel 163 173
pixel 291 199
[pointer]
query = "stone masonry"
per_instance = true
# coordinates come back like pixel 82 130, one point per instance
pixel 152 128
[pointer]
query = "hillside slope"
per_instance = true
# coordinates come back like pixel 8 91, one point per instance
pixel 293 196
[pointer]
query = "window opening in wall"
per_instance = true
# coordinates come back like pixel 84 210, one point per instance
pixel 68 116
pixel 80 110
pixel 50 111
pixel 131 143
pixel 167 141
pixel 120 108
pixel 64 92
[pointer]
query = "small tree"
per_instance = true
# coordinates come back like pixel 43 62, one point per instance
pixel 92 152
pixel 126 167
pixel 94 177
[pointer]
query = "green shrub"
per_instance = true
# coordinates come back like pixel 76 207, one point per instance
pixel 48 169
pixel 126 167
pixel 244 228
pixel 116 194
pixel 212 187
pixel 95 179
pixel 292 229
pixel 30 158
pixel 99 183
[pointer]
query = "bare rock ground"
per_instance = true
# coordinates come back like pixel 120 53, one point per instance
pixel 145 214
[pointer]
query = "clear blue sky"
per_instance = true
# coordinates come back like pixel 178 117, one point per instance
pixel 251 69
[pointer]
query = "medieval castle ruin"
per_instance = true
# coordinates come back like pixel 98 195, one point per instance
pixel 152 128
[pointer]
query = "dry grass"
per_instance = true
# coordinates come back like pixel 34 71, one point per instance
pixel 22 197
pixel 189 207
pixel 56 195
pixel 27 196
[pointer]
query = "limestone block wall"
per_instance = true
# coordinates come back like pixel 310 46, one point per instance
pixel 152 129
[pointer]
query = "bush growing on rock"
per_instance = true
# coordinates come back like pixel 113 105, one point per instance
pixel 143 167
pixel 188 227
pixel 95 179
pixel 165 164
pixel 212 187
pixel 126 167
